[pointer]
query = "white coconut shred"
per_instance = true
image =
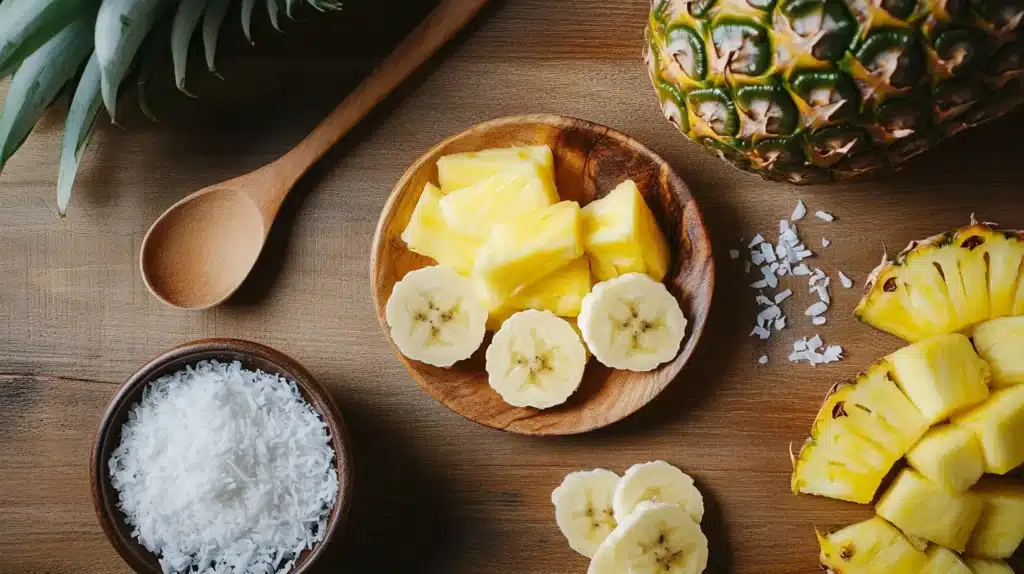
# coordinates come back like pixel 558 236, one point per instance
pixel 224 470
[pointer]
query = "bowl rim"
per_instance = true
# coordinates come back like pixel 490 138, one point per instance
pixel 555 120
pixel 99 479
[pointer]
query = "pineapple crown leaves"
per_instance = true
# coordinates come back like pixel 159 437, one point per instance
pixel 89 47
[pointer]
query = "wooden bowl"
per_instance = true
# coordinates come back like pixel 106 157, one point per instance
pixel 590 160
pixel 252 356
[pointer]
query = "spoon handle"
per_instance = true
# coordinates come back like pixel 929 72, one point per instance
pixel 445 21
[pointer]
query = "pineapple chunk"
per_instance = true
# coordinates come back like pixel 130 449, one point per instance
pixel 476 209
pixel 870 547
pixel 981 566
pixel 923 508
pixel 622 236
pixel 941 375
pixel 1001 528
pixel 529 248
pixel 1001 343
pixel 428 234
pixel 950 455
pixel 561 292
pixel 464 169
pixel 999 424
pixel 942 560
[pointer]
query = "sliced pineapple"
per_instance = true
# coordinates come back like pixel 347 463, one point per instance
pixel 429 234
pixel 999 425
pixel 862 429
pixel 1001 343
pixel 923 508
pixel 949 455
pixel 464 169
pixel 942 375
pixel 1001 528
pixel 942 560
pixel 476 209
pixel 983 566
pixel 622 236
pixel 946 283
pixel 872 546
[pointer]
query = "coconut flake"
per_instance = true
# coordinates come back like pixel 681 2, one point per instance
pixel 799 211
pixel 782 296
pixel 801 270
pixel 759 284
pixel 825 242
pixel 819 320
pixel 734 253
pixel 824 216
pixel 814 343
pixel 757 240
pixel 757 258
pixel 846 281
pixel 816 309
pixel 768 252
pixel 763 359
pixel 761 332
pixel 780 323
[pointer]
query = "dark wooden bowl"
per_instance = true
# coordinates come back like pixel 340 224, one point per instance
pixel 252 356
pixel 590 160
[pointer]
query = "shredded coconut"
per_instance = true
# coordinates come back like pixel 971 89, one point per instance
pixel 799 211
pixel 846 281
pixel 763 360
pixel 824 215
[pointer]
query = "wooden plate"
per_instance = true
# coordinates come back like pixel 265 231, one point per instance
pixel 252 356
pixel 590 160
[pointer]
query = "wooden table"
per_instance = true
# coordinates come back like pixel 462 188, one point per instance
pixel 435 493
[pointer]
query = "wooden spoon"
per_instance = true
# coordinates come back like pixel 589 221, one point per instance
pixel 199 251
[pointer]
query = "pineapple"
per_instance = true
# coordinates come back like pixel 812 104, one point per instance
pixel 949 455
pixel 999 425
pixel 1001 343
pixel 560 292
pixel 1001 528
pixel 942 560
pixel 527 249
pixel 622 236
pixel 477 209
pixel 870 547
pixel 941 375
pixel 464 169
pixel 862 429
pixel 807 91
pixel 430 235
pixel 923 508
pixel 946 283
pixel 982 566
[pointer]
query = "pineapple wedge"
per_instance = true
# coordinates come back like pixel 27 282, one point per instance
pixel 476 209
pixel 622 236
pixel 999 425
pixel 941 375
pixel 560 292
pixel 923 508
pixel 870 547
pixel 942 560
pixel 982 566
pixel 527 249
pixel 950 455
pixel 428 234
pixel 1001 343
pixel 465 169
pixel 1001 528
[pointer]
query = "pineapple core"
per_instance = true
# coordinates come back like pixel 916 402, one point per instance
pixel 622 236
pixel 428 234
pixel 464 169
pixel 942 560
pixel 950 455
pixel 872 546
pixel 941 375
pixel 999 424
pixel 923 508
pixel 1001 528
pixel 1001 343
pixel 476 209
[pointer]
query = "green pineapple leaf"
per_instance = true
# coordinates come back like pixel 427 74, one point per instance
pixel 247 8
pixel 25 25
pixel 273 9
pixel 85 108
pixel 213 18
pixel 121 27
pixel 185 20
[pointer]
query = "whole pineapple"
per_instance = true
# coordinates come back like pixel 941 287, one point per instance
pixel 807 91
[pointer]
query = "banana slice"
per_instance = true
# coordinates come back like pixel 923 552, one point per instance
pixel 583 508
pixel 535 359
pixel 655 539
pixel 632 322
pixel 435 316
pixel 661 482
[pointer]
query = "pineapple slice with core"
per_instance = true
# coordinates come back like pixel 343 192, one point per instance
pixel 923 508
pixel 476 209
pixel 941 375
pixel 942 560
pixel 428 234
pixel 982 566
pixel 464 169
pixel 999 425
pixel 1001 528
pixel 1001 343
pixel 528 249
pixel 870 547
pixel 946 283
pixel 950 455
pixel 622 236
pixel 862 429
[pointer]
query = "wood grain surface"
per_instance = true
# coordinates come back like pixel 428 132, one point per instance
pixel 434 492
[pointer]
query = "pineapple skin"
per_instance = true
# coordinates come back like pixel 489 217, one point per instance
pixel 942 560
pixel 869 547
pixel 949 455
pixel 999 425
pixel 1001 528
pixel 1000 342
pixel 810 92
pixel 923 508
pixel 941 375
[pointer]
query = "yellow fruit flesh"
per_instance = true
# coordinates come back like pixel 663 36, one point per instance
pixel 1001 528
pixel 870 547
pixel 560 292
pixel 923 508
pixel 529 248
pixel 982 566
pixel 949 455
pixel 430 235
pixel 1000 342
pixel 464 169
pixel 999 425
pixel 477 209
pixel 942 560
pixel 622 236
pixel 941 375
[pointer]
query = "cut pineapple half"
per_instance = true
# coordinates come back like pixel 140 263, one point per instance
pixel 947 283
pixel 464 169
pixel 430 235
pixel 923 508
pixel 873 546
pixel 475 210
pixel 1001 528
pixel 621 235
pixel 1001 343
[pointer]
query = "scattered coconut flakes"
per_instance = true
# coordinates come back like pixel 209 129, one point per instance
pixel 784 268
pixel 823 296
pixel 819 320
pixel 734 253
pixel 824 243
pixel 769 315
pixel 816 309
pixel 833 353
pixel 846 281
pixel 757 258
pixel 761 332
pixel 782 296
pixel 814 343
pixel 756 241
pixel 800 345
pixel 824 216
pixel 759 284
pixel 801 270
pixel 804 350
pixel 762 300
pixel 780 323
pixel 763 360
pixel 804 253
pixel 768 252
pixel 799 211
